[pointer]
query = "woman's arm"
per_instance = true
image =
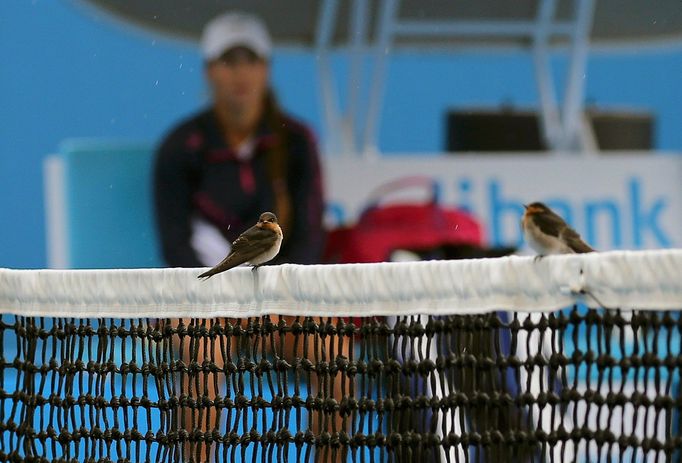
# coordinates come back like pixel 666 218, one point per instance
pixel 305 186
pixel 173 191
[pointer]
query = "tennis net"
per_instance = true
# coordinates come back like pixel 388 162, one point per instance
pixel 571 358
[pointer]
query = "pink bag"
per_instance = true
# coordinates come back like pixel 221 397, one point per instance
pixel 381 230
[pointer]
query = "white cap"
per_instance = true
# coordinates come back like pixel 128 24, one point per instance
pixel 233 30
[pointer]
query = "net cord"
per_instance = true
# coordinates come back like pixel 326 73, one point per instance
pixel 624 279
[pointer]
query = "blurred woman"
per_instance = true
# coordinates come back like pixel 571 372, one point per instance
pixel 217 171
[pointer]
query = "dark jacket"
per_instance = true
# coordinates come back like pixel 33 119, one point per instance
pixel 196 173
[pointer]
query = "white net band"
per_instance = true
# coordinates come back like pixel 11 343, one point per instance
pixel 625 279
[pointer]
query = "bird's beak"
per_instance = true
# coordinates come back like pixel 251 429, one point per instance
pixel 525 206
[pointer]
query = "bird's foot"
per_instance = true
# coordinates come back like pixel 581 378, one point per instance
pixel 256 280
pixel 538 257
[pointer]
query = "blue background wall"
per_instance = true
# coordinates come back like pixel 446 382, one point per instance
pixel 68 71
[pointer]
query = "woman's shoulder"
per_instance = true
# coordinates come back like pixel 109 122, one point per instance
pixel 297 130
pixel 196 121
pixel 190 132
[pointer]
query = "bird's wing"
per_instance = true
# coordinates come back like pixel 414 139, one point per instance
pixel 574 241
pixel 250 244
pixel 550 224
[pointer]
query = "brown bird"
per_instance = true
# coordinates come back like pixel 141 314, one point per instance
pixel 547 233
pixel 257 245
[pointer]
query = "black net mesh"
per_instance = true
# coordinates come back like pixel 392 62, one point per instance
pixel 578 384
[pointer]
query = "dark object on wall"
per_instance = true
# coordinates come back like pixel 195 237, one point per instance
pixel 622 130
pixel 503 130
pixel 513 130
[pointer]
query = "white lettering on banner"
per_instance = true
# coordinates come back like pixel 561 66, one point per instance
pixel 615 201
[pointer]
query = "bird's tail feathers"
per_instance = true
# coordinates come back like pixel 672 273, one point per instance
pixel 229 262
pixel 207 274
